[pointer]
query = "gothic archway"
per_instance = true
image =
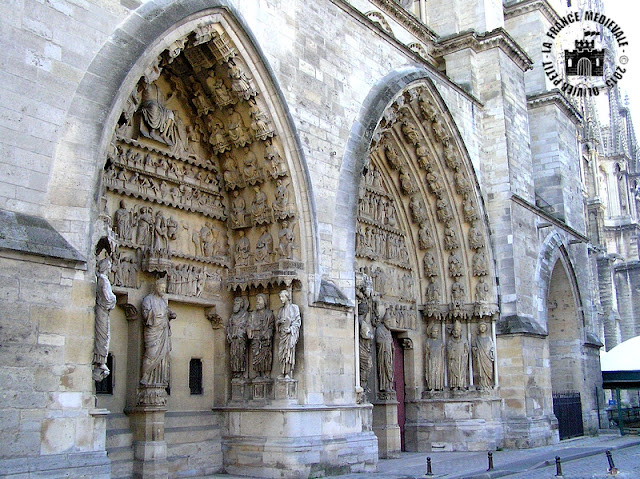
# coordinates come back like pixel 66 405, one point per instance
pixel 203 184
pixel 422 245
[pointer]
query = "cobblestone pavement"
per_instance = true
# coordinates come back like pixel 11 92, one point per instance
pixel 582 458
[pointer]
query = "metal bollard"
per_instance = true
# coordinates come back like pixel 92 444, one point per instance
pixel 612 467
pixel 490 461
pixel 429 473
pixel 558 467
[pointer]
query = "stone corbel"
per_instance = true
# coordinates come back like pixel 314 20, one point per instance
pixel 130 311
pixel 215 319
pixel 406 343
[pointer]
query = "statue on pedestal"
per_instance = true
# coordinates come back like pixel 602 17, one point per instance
pixel 237 336
pixel 105 302
pixel 434 360
pixel 384 350
pixel 288 323
pixel 260 333
pixel 458 358
pixel 484 354
pixel 157 336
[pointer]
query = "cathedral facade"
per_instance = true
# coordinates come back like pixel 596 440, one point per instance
pixel 287 238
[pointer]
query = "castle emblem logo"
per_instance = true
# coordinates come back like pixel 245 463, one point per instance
pixel 575 59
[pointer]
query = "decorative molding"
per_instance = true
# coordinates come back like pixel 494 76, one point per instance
pixel 497 38
pixel 557 98
pixel 516 9
pixel 406 19
pixel 378 18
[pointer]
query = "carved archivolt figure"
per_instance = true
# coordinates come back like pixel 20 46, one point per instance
pixel 217 137
pixel 425 240
pixel 260 333
pixel 457 292
pixel 430 265
pixel 384 352
pixel 434 360
pixel 418 212
pixel 240 81
pixel 455 265
pixel 157 336
pixel 482 291
pixel 250 167
pixel 457 358
pixel 476 240
pixel 236 129
pixel 410 131
pixel 288 323
pixel 238 210
pixel 484 354
pixel 273 155
pixel 432 294
pixel 231 175
pixel 286 240
pixel 237 336
pixel 480 264
pixel 221 95
pixel 243 248
pixel 281 202
pixel 122 222
pixel 105 302
pixel 450 238
pixel 259 207
pixel 264 246
pixel 259 121
pixel 468 209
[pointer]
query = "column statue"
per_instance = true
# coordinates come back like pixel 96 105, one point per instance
pixel 237 336
pixel 105 302
pixel 288 323
pixel 260 332
pixel 484 354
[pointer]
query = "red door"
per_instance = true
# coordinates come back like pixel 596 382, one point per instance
pixel 398 384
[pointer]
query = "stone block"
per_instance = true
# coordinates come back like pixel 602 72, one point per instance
pixel 57 435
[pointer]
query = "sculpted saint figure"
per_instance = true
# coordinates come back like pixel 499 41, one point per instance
pixel 434 360
pixel 260 333
pixel 235 128
pixel 366 332
pixel 384 350
pixel 145 220
pixel 243 248
pixel 259 206
pixel 122 222
pixel 288 323
pixel 457 358
pixel 160 235
pixel 237 336
pixel 264 246
pixel 484 354
pixel 238 209
pixel 285 241
pixel 157 336
pixel 281 202
pixel 158 120
pixel 105 302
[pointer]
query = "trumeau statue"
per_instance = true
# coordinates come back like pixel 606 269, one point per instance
pixel 260 333
pixel 434 360
pixel 237 336
pixel 288 324
pixel 384 351
pixel 105 302
pixel 457 358
pixel 157 336
pixel 484 355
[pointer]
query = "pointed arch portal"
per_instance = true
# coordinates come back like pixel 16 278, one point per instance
pixel 422 245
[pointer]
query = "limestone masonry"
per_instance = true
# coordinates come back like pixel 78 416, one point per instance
pixel 285 239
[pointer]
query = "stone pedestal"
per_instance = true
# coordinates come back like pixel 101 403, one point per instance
pixel 385 426
pixel 239 389
pixel 147 424
pixel 262 389
pixel 286 390
pixel 454 421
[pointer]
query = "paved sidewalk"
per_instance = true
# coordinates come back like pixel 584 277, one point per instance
pixel 582 458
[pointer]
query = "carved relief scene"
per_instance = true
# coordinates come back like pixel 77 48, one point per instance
pixel 422 246
pixel 198 193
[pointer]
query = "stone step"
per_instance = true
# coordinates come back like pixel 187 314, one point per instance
pixel 121 462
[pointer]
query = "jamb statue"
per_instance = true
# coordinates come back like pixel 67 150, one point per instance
pixel 105 302
pixel 288 323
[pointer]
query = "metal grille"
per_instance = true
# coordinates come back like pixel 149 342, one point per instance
pixel 195 376
pixel 568 409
